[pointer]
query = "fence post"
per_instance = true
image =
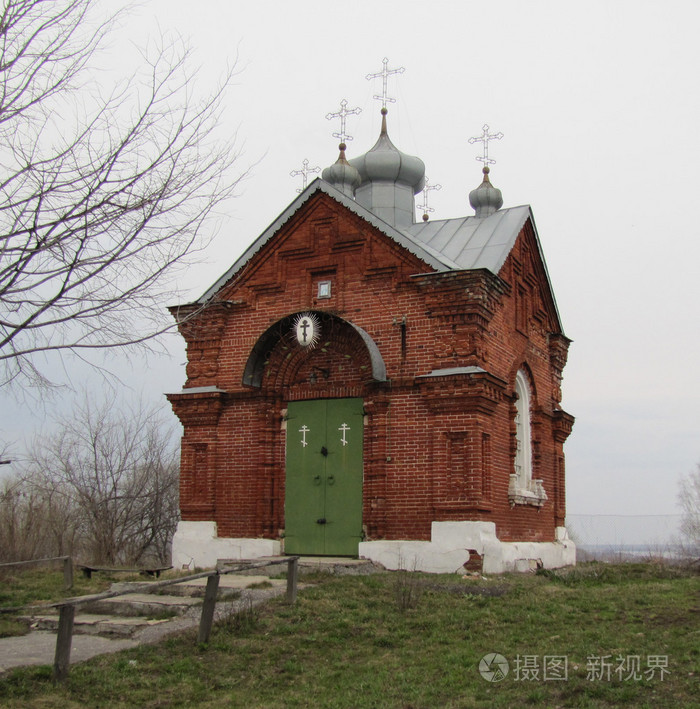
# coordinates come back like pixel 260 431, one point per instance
pixel 68 572
pixel 208 606
pixel 64 639
pixel 292 573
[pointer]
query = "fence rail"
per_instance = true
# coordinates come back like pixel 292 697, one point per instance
pixel 67 606
pixel 67 567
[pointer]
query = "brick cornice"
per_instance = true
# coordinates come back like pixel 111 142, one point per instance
pixel 197 408
pixel 202 323
pixel 476 392
pixel 562 423
pixel 464 295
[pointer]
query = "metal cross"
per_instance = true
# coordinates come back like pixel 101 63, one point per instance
pixel 304 172
pixel 304 430
pixel 344 428
pixel 484 139
pixel 428 187
pixel 344 112
pixel 385 73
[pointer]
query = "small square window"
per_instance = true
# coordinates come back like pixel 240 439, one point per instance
pixel 324 289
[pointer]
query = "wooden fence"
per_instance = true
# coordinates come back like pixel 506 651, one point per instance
pixel 66 607
pixel 67 567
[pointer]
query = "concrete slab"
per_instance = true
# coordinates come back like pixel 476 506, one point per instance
pixel 143 604
pixel 338 565
pixel 95 624
pixel 233 581
pixel 39 648
pixel 331 560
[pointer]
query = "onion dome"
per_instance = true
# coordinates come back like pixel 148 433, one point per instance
pixel 485 199
pixel 390 179
pixel 386 163
pixel 342 175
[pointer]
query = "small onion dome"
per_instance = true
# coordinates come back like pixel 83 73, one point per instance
pixel 342 174
pixel 486 199
pixel 386 163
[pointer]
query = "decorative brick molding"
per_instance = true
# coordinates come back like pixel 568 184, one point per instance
pixel 433 355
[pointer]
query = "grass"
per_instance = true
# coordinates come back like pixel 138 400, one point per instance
pixel 348 642
pixel 21 587
pixel 29 586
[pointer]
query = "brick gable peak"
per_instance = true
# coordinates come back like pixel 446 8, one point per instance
pixel 424 252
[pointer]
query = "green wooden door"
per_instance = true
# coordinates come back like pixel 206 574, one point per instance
pixel 323 489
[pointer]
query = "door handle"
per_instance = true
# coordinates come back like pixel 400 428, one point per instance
pixel 324 451
pixel 331 480
pixel 317 479
pixel 322 520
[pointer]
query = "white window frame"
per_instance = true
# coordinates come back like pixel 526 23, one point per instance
pixel 523 490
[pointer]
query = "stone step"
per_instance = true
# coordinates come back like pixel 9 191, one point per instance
pixel 230 585
pixel 334 565
pixel 94 624
pixel 338 566
pixel 143 604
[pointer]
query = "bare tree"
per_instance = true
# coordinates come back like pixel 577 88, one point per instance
pixel 34 522
pixel 102 195
pixel 116 470
pixel 689 500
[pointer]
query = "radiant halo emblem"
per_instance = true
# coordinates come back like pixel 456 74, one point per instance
pixel 307 329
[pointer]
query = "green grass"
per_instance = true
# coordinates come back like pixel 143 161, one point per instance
pixel 349 643
pixel 42 584
pixel 25 586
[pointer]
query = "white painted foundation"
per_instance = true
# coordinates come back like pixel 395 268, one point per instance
pixel 447 551
pixel 196 544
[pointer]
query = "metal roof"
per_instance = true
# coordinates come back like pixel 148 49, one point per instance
pixel 470 242
pixel 446 244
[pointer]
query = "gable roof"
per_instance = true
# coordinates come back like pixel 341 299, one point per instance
pixel 424 252
pixel 470 242
pixel 458 244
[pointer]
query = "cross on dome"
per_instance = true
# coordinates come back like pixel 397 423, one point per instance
pixel 427 188
pixel 304 172
pixel 384 74
pixel 484 139
pixel 343 113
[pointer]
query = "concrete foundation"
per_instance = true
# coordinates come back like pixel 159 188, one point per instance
pixel 196 544
pixel 448 550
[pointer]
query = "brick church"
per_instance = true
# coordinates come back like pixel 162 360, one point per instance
pixel 360 383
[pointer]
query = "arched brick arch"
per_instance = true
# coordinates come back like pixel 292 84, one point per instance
pixel 522 365
pixel 344 356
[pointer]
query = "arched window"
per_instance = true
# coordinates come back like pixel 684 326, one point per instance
pixel 523 436
pixel 523 490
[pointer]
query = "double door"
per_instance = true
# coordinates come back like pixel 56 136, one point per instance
pixel 323 488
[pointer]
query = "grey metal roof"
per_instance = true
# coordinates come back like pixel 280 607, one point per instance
pixel 470 242
pixel 446 244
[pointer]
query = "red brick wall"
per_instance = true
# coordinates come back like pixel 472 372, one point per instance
pixel 436 448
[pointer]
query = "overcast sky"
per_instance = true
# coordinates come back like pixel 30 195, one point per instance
pixel 599 107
